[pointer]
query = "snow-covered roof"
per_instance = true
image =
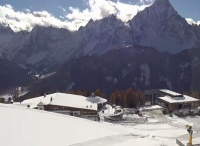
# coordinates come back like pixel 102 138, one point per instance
pixel 68 100
pixel 6 96
pixel 183 99
pixel 151 107
pixel 39 104
pixel 97 99
pixel 170 92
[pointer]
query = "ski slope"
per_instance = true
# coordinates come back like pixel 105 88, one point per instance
pixel 21 126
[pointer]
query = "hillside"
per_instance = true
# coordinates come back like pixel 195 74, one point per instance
pixel 12 75
pixel 138 67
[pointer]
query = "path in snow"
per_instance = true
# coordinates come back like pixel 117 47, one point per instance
pixel 110 140
pixel 196 122
pixel 163 119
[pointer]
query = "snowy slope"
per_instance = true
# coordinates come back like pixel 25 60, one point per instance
pixel 41 128
pixel 26 127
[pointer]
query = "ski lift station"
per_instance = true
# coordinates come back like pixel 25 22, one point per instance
pixel 175 101
pixel 171 100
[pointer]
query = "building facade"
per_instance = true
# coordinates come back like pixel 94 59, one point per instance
pixel 175 101
pixel 68 110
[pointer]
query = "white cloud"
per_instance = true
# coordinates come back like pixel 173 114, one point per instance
pixel 146 1
pixel 96 9
pixel 63 9
pixel 62 17
pixel 26 21
pixel 27 10
pixel 192 22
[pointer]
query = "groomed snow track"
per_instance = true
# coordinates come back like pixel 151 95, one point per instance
pixel 109 140
pixel 163 119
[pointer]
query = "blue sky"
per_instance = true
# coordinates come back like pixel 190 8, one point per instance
pixel 25 14
pixel 186 8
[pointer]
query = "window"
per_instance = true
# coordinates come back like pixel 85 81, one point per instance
pixel 90 106
pixel 86 106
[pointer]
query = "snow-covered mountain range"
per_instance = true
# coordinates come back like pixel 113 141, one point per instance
pixel 158 26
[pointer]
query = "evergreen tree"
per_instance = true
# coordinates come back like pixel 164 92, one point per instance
pixel 79 92
pixel 87 93
pixel 112 98
pixel 71 92
pixel 2 100
pixel 97 92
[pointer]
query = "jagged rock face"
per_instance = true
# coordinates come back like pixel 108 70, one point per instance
pixel 42 47
pixel 158 26
pixel 103 35
pixel 5 35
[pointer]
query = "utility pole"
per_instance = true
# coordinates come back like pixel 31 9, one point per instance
pixel 15 94
pixel 152 97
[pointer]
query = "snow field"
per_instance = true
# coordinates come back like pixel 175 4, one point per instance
pixel 29 127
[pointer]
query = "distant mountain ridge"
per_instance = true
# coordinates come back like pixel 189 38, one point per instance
pixel 158 26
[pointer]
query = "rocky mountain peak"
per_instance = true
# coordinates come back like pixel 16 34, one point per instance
pixel 160 26
pixel 164 3
pixel 163 7
pixel 160 10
